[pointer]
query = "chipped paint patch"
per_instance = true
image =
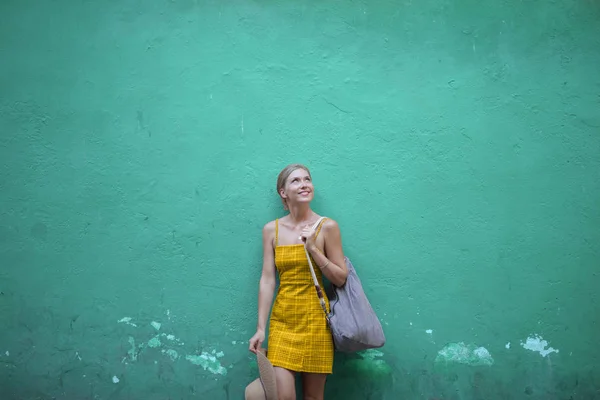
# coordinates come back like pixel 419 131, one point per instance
pixel 155 325
pixel 538 344
pixel 370 354
pixel 429 331
pixel 154 342
pixel 7 353
pixel 126 320
pixel 171 353
pixel 370 364
pixel 132 353
pixel 507 345
pixel 172 338
pixel 115 379
pixel 209 362
pixel 464 354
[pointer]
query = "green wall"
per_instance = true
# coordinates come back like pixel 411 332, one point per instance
pixel 457 144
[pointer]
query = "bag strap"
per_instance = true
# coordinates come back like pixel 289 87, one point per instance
pixel 314 276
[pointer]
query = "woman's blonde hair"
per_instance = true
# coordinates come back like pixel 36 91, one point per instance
pixel 284 175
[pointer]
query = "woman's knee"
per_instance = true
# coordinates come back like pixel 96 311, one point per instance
pixel 286 384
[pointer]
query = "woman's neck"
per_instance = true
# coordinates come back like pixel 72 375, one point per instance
pixel 300 214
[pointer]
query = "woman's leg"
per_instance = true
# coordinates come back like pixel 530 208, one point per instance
pixel 313 386
pixel 286 384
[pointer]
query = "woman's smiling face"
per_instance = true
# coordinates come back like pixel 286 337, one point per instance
pixel 298 187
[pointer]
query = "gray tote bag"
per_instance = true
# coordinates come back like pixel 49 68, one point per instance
pixel 353 323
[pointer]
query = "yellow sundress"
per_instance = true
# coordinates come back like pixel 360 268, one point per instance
pixel 299 337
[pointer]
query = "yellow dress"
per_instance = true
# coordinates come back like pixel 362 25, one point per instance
pixel 299 337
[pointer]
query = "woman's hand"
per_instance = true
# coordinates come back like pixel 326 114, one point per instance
pixel 309 237
pixel 256 341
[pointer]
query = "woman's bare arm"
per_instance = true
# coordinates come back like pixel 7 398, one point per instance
pixel 333 264
pixel 268 278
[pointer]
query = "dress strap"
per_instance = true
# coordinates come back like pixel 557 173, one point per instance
pixel 319 227
pixel 276 231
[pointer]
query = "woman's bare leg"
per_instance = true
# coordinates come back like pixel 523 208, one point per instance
pixel 286 384
pixel 313 386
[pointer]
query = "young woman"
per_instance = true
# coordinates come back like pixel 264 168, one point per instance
pixel 299 339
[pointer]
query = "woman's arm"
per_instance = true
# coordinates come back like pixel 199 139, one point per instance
pixel 333 264
pixel 267 279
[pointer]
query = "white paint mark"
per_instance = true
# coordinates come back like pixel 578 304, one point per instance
pixel 173 338
pixel 234 342
pixel 209 362
pixel 507 345
pixel 370 354
pixel 538 344
pixel 482 353
pixel 7 353
pixel 132 353
pixel 127 320
pixel 154 342
pixel 373 359
pixel 465 354
pixel 410 323
pixel 155 325
pixel 171 353
pixel 77 355
pixel 429 331
pixel 115 379
pixel 169 314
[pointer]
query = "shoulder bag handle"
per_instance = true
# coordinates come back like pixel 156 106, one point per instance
pixel 314 276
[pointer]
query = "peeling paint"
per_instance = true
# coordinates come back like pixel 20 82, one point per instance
pixel 115 379
pixel 370 364
pixel 464 354
pixel 126 320
pixel 132 353
pixel 154 342
pixel 507 345
pixel 209 362
pixel 538 344
pixel 171 353
pixel 172 338
pixel 155 325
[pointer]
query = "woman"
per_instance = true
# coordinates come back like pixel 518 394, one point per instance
pixel 299 339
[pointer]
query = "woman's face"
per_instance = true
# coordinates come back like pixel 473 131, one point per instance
pixel 298 187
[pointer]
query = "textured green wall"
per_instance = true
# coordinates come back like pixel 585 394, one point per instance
pixel 457 143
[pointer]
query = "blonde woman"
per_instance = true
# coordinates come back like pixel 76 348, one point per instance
pixel 299 339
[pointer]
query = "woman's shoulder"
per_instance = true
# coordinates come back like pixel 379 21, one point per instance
pixel 269 227
pixel 330 224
